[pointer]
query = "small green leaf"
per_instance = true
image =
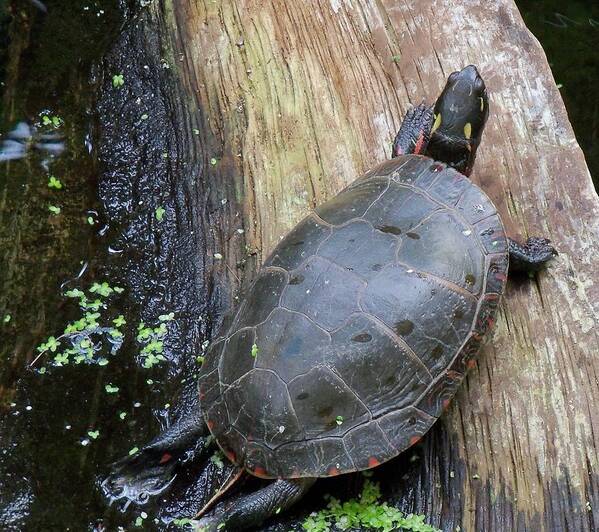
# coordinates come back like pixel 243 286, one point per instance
pixel 52 344
pixel 133 451
pixel 119 321
pixel 213 161
pixel 54 183
pixel 196 131
pixel 118 80
pixel 396 58
pixel 102 289
pixel 254 351
pixel 217 460
pixel 118 289
pixel 111 389
pixel 139 522
pixel 102 362
pixel 167 317
pixel 123 415
pixel 54 209
pixel 160 213
pixel 75 293
pixel 90 220
pixel 7 318
pixel 144 116
pixel 93 434
pixel 61 359
pixel 339 420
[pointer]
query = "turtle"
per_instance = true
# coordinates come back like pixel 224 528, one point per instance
pixel 361 324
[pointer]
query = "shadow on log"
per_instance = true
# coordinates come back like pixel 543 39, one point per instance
pixel 270 108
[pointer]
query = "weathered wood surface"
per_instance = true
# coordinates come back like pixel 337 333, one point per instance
pixel 296 99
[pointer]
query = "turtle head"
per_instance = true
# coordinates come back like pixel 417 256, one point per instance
pixel 460 114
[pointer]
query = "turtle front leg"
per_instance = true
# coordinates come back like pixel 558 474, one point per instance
pixel 251 510
pixel 415 131
pixel 530 256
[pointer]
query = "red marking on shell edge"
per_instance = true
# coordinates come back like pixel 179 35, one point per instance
pixel 259 472
pixel 414 440
pixel 445 403
pixel 333 471
pixel 210 424
pixel 472 363
pixel 373 462
pixel 202 395
pixel 165 458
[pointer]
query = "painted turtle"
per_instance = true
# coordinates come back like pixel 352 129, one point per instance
pixel 361 324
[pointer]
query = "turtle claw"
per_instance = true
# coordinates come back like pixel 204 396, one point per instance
pixel 540 249
pixel 531 256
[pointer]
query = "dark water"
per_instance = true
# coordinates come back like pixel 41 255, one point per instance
pixel 569 33
pixel 49 463
pixel 60 426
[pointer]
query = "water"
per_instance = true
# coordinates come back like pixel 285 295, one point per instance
pixel 49 463
pixel 569 33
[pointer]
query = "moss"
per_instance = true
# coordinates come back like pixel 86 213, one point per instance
pixel 366 512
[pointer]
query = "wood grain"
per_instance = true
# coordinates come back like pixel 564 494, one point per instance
pixel 294 100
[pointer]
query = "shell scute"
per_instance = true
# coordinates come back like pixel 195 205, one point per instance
pixel 352 202
pixel 357 248
pixel 326 293
pixel 434 251
pixel 288 344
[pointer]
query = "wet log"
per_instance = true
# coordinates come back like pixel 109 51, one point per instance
pixel 276 106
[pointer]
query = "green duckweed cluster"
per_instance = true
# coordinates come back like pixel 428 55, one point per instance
pixel 366 512
pixel 98 332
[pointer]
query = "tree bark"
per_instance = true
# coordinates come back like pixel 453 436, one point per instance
pixel 284 103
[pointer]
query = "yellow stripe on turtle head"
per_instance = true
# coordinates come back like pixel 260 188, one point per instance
pixel 482 105
pixel 468 130
pixel 437 123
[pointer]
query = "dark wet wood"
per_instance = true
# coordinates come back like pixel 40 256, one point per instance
pixel 293 100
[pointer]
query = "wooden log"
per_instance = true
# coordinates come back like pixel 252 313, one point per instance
pixel 291 101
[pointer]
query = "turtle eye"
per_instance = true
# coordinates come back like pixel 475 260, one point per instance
pixel 479 85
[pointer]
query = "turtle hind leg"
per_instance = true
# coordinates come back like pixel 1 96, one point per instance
pixel 251 510
pixel 415 131
pixel 150 470
pixel 530 256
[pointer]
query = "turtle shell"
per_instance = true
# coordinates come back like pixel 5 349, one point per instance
pixel 360 326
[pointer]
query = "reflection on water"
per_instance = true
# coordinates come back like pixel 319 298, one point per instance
pixel 24 137
pixel 569 33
